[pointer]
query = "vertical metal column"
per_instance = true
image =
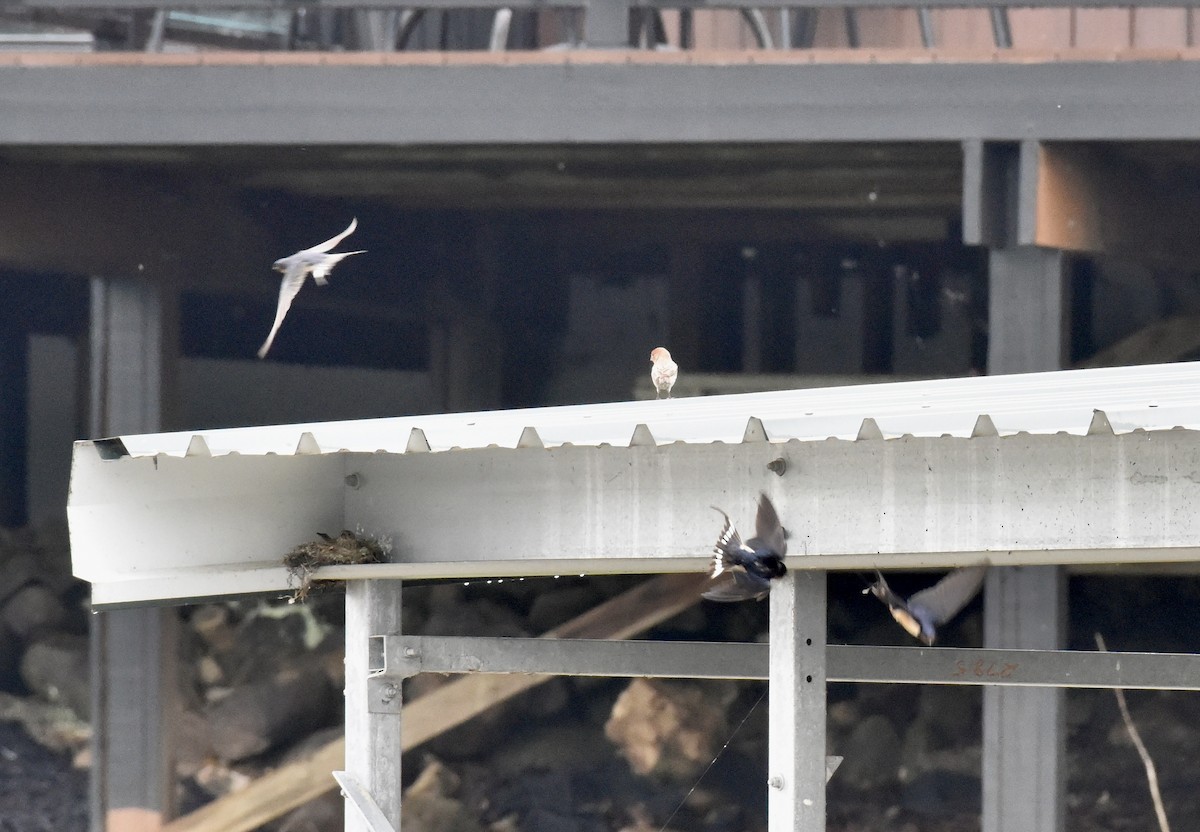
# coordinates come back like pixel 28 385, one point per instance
pixel 1028 310
pixel 133 652
pixel 133 655
pixel 14 407
pixel 1023 730
pixel 606 24
pixel 925 24
pixel 687 284
pixel 466 338
pixel 752 313
pixel 796 753
pixel 372 740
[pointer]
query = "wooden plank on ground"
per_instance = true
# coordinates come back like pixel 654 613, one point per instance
pixel 292 785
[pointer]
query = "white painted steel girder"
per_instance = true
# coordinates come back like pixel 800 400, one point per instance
pixel 625 487
pixel 178 528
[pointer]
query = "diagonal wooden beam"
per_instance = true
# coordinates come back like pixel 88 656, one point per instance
pixel 282 790
pixel 1167 340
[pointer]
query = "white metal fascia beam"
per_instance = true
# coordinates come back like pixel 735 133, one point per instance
pixel 183 528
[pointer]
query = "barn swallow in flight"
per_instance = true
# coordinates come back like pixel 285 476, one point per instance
pixel 296 267
pixel 663 373
pixel 921 614
pixel 753 564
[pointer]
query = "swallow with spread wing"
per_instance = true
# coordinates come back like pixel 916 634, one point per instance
pixel 296 267
pixel 750 565
pixel 922 613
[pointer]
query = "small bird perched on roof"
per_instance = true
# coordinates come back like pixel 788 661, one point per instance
pixel 663 373
pixel 923 612
pixel 296 267
pixel 751 565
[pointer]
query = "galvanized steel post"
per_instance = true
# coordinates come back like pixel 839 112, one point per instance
pixel 372 739
pixel 134 652
pixel 796 749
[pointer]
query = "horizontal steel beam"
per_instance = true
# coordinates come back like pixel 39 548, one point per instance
pixel 396 656
pixel 172 587
pixel 564 101
pixel 402 656
pixel 165 527
pixel 1170 561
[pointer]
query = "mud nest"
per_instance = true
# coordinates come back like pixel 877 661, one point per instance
pixel 347 548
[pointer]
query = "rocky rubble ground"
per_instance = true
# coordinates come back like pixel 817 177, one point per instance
pixel 261 682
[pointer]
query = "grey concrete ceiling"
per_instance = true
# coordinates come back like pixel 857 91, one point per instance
pixel 809 177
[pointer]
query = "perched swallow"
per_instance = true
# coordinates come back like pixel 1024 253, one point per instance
pixel 296 267
pixel 663 373
pixel 921 614
pixel 753 564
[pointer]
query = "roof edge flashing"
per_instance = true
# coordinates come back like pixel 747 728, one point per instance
pixel 112 447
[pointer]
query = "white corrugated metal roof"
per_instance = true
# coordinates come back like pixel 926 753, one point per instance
pixel 220 521
pixel 1147 397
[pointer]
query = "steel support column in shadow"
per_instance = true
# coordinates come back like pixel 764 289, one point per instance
pixel 1025 607
pixel 133 341
pixel 14 406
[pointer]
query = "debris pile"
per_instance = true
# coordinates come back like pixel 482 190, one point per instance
pixel 261 683
pixel 257 677
pixel 43 639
